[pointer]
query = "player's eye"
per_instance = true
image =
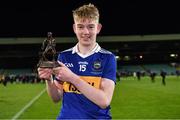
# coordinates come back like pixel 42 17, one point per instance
pixel 80 27
pixel 91 27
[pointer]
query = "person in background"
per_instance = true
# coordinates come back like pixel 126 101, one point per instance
pixel 152 75
pixel 163 75
pixel 178 73
pixel 138 74
pixel 118 75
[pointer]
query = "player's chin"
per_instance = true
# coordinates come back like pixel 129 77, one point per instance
pixel 86 42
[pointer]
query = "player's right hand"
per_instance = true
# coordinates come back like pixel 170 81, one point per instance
pixel 45 73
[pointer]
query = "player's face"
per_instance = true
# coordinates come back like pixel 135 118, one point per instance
pixel 86 31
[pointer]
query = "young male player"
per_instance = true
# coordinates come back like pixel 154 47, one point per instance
pixel 86 79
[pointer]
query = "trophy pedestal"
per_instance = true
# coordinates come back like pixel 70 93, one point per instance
pixel 49 64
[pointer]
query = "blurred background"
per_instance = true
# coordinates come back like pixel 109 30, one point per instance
pixel 144 36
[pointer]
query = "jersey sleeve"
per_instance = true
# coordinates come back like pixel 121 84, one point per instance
pixel 60 58
pixel 110 68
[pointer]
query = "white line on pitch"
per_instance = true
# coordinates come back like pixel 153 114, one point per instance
pixel 28 105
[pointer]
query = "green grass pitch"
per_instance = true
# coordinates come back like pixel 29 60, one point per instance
pixel 132 99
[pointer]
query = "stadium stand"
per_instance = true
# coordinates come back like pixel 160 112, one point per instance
pixel 18 71
pixel 147 68
pixel 157 68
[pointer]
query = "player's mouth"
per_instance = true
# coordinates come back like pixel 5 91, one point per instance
pixel 86 38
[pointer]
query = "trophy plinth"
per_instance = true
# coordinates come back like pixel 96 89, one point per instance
pixel 48 53
pixel 48 64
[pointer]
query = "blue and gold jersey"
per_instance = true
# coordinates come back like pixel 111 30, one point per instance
pixel 91 68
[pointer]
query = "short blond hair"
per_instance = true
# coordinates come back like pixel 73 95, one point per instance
pixel 86 11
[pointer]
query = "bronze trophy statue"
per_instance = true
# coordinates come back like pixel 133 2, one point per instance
pixel 48 53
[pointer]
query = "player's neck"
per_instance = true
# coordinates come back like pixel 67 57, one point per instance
pixel 86 49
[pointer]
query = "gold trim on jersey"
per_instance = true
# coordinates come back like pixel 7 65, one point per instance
pixel 93 81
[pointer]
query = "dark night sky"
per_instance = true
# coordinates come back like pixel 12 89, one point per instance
pixel 125 17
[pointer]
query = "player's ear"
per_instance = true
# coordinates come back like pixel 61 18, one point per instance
pixel 74 28
pixel 99 26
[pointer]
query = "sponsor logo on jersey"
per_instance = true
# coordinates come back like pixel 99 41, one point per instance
pixel 93 81
pixel 83 63
pixel 69 65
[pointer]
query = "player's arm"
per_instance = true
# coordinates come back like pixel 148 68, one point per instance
pixel 102 97
pixel 54 91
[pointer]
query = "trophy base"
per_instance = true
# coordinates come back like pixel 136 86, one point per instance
pixel 49 64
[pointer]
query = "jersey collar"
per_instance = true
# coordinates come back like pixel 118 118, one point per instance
pixel 96 49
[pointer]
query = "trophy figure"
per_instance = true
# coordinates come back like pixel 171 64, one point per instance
pixel 48 53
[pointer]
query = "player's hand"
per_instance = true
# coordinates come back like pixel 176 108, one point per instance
pixel 45 73
pixel 63 73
